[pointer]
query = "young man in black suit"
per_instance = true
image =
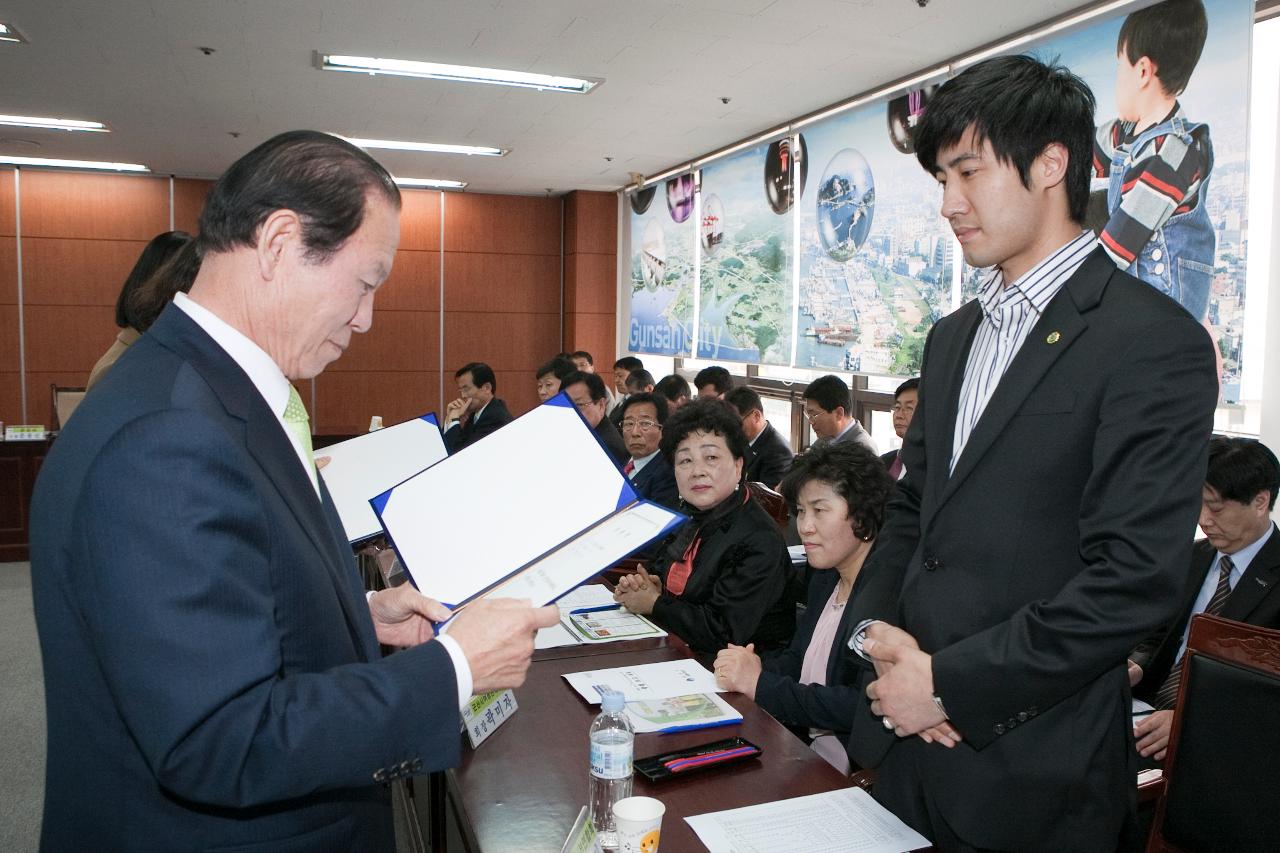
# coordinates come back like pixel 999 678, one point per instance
pixel 1234 572
pixel 768 454
pixel 476 412
pixel 1061 435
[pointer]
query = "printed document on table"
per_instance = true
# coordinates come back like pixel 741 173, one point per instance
pixel 844 821
pixel 605 621
pixel 645 681
pixel 529 511
pixel 369 464
pixel 696 711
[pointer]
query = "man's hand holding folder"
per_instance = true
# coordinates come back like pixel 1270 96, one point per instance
pixel 496 635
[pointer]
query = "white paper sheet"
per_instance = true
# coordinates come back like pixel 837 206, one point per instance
pixel 845 821
pixel 598 548
pixel 565 633
pixel 480 515
pixel 367 465
pixel 645 681
pixel 676 713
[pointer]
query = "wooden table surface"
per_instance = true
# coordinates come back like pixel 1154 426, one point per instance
pixel 521 790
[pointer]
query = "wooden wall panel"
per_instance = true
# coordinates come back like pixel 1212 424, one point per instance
pixel 11 396
pixel 590 284
pixel 67 338
pixel 8 206
pixel 188 201
pixel 594 333
pixel 480 281
pixel 8 271
pixel 501 340
pixel 591 222
pixel 414 284
pixel 59 271
pixel 40 398
pixel 346 400
pixel 517 388
pixel 419 220
pixel 518 225
pixel 398 341
pixel 9 337
pixel 95 207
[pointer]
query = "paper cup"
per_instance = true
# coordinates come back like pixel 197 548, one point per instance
pixel 639 823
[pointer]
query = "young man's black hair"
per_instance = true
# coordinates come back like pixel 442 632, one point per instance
pixel 744 400
pixel 830 393
pixel 1239 468
pixel 630 362
pixel 910 385
pixel 715 376
pixel 1020 106
pixel 1171 35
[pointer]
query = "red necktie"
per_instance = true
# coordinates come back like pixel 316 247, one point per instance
pixel 629 467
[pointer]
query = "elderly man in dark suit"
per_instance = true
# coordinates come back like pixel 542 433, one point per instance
pixel 1060 437
pixel 768 454
pixel 1234 573
pixel 651 474
pixel 212 671
pixel 477 411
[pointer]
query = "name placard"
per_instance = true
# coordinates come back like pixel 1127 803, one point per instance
pixel 485 713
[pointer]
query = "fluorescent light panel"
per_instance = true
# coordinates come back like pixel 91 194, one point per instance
pixel 432 183
pixel 72 164
pixel 435 147
pixel 457 73
pixel 54 123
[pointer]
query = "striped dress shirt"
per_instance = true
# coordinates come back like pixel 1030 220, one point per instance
pixel 1008 315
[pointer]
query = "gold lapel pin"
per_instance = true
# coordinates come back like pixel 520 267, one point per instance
pixel 1053 338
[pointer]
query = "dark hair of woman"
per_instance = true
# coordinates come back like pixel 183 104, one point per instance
pixel 712 416
pixel 854 472
pixel 176 275
pixel 161 248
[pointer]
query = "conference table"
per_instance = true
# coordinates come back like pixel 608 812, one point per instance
pixel 521 789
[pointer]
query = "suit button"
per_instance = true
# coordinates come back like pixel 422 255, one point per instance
pixel 999 728
pixel 417 765
pixel 380 775
pixel 1033 711
pixel 1022 716
pixel 932 563
pixel 1012 724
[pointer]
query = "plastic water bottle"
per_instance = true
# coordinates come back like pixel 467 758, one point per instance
pixel 612 742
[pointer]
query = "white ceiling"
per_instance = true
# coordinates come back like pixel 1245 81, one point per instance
pixel 135 64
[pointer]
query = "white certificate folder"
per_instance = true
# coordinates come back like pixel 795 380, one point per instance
pixel 529 511
pixel 369 464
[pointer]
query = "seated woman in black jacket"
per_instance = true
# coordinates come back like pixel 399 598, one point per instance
pixel 838 494
pixel 722 577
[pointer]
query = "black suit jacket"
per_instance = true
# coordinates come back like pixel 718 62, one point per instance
pixel 612 441
pixel 1255 600
pixel 212 676
pixel 656 482
pixel 769 458
pixel 494 417
pixel 1032 570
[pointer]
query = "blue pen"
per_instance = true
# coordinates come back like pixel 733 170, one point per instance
pixel 691 726
pixel 599 609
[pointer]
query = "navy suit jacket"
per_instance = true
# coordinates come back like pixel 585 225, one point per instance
pixel 491 419
pixel 769 458
pixel 1031 570
pixel 212 676
pixel 656 482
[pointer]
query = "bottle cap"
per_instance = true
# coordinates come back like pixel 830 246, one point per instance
pixel 613 701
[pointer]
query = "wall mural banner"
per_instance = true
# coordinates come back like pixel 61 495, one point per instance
pixel 876 256
pixel 663 232
pixel 1170 187
pixel 745 290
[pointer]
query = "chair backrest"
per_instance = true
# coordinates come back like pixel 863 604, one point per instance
pixel 1220 770
pixel 65 401
pixel 772 503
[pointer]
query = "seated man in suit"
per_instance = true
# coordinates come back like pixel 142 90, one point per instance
pixel 549 376
pixel 651 474
pixel 828 405
pixel 586 390
pixel 904 407
pixel 676 389
pixel 1234 573
pixel 638 382
pixel 212 671
pixel 476 412
pixel 621 370
pixel 713 382
pixel 768 454
pixel 583 360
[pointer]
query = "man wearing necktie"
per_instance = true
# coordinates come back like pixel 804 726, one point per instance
pixel 213 677
pixel 1234 572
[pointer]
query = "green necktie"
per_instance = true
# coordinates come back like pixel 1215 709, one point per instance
pixel 295 418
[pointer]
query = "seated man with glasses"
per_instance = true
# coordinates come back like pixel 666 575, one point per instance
pixel 587 392
pixel 650 472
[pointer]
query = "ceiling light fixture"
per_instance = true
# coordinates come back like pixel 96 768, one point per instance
pixel 435 147
pixel 9 33
pixel 52 163
pixel 456 73
pixel 54 123
pixel 431 183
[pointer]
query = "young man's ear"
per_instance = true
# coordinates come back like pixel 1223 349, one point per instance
pixel 1051 166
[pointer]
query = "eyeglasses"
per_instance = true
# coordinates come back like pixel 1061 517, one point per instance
pixel 644 425
pixel 813 416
